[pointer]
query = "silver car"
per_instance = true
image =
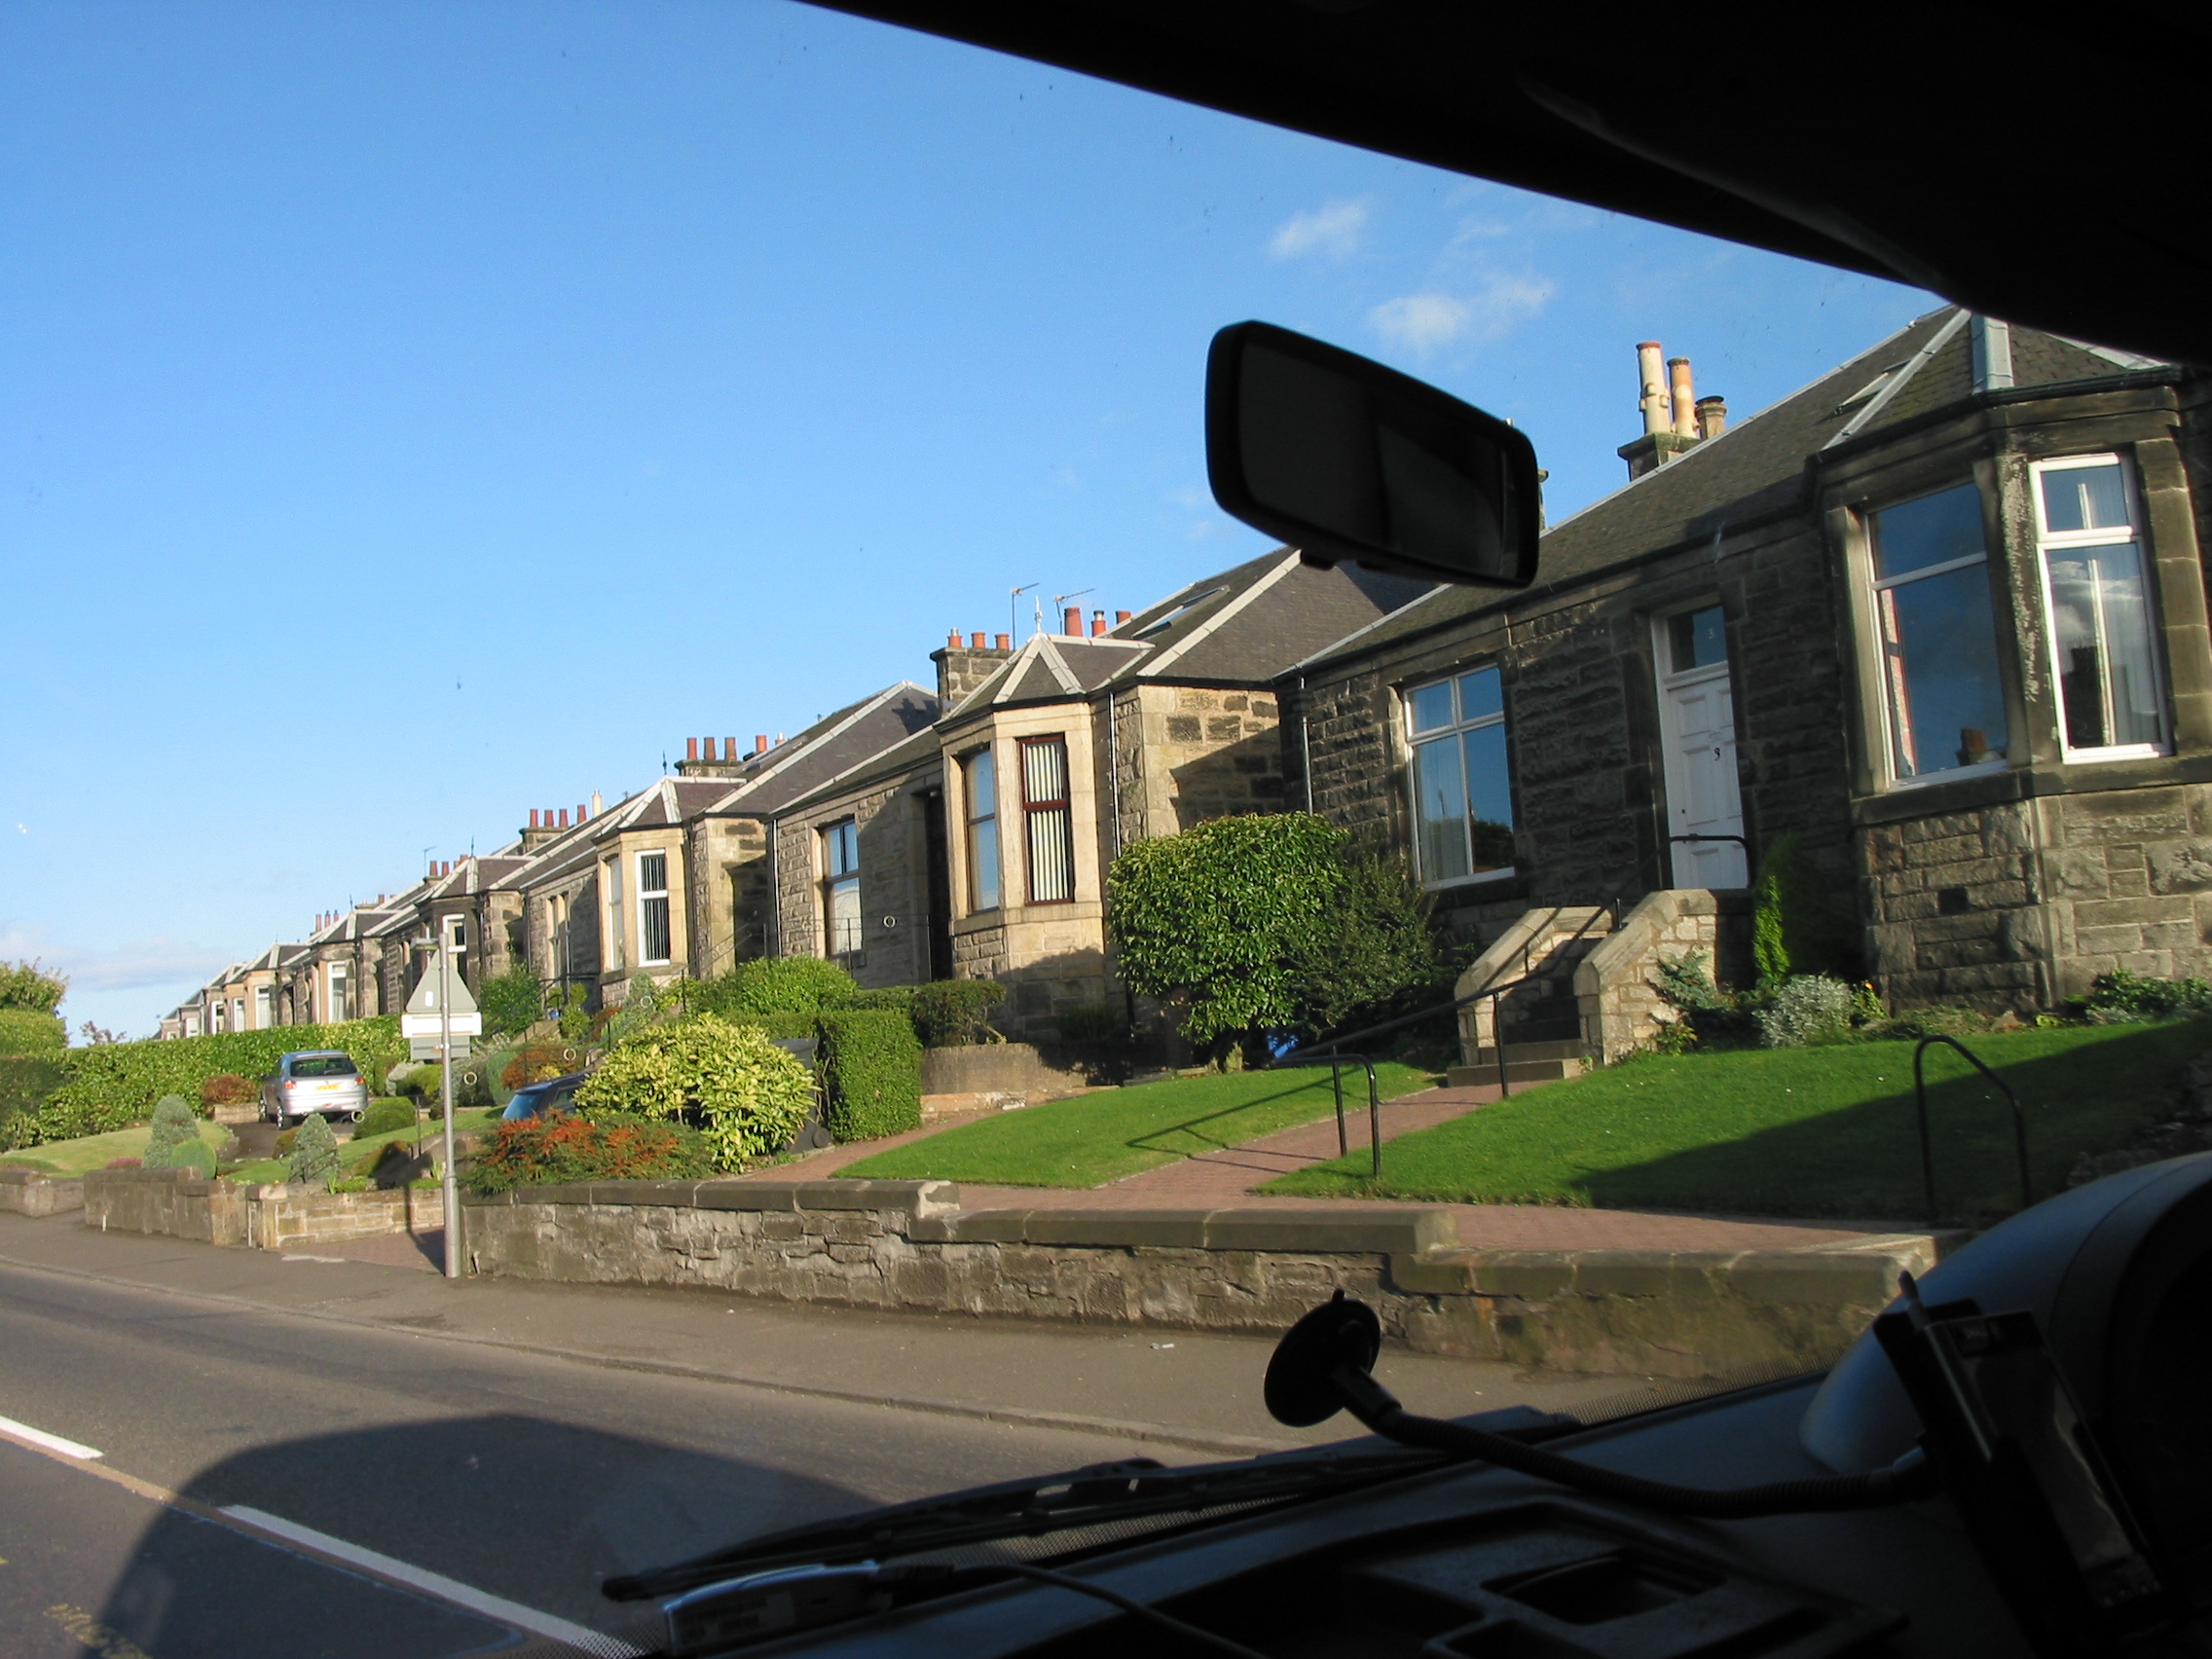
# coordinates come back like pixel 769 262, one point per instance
pixel 315 1081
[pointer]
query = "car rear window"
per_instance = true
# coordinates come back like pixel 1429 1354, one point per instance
pixel 325 1065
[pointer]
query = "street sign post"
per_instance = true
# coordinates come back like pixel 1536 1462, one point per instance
pixel 442 1008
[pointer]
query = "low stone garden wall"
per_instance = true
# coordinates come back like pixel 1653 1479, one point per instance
pixel 909 1246
pixel 29 1191
pixel 998 1069
pixel 267 1217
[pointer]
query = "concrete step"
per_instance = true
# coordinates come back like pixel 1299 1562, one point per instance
pixel 1524 1063
pixel 1560 1048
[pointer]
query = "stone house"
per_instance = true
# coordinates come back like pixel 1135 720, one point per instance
pixel 1941 614
pixel 978 848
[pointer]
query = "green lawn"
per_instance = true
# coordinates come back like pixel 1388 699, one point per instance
pixel 96 1151
pixel 1090 1140
pixel 1791 1132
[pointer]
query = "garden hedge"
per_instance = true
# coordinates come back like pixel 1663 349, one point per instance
pixel 872 1064
pixel 28 1034
pixel 112 1085
pixel 747 1095
pixel 951 1014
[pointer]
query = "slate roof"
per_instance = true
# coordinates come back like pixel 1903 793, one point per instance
pixel 1756 468
pixel 831 748
pixel 1241 627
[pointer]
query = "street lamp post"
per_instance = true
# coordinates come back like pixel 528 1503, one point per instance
pixel 451 1190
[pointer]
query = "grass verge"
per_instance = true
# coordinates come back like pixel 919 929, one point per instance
pixel 1092 1139
pixel 1791 1132
pixel 98 1152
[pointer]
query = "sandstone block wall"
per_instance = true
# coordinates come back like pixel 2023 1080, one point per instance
pixel 1616 987
pixel 908 1246
pixel 271 1217
pixel 27 1192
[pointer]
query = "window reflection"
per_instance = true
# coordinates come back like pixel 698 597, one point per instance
pixel 1462 790
pixel 2096 584
pixel 1938 634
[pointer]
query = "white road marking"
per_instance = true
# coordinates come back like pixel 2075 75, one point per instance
pixel 24 1432
pixel 439 1585
pixel 312 1258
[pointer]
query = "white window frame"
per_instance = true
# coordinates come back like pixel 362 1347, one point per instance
pixel 614 953
pixel 970 820
pixel 833 879
pixel 646 895
pixel 1885 702
pixel 2048 540
pixel 335 980
pixel 264 1007
pixel 1456 730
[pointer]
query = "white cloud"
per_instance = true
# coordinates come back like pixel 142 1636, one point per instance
pixel 1422 322
pixel 131 967
pixel 1334 230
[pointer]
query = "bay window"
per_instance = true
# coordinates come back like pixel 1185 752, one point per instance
pixel 1047 825
pixel 2112 699
pixel 842 888
pixel 1937 633
pixel 1462 789
pixel 980 803
pixel 652 908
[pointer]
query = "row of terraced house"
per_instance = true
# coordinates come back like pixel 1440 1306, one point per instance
pixel 1941 614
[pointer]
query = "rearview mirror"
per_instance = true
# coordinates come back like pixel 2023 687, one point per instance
pixel 1345 459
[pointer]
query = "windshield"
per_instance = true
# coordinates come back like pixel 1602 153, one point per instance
pixel 820 407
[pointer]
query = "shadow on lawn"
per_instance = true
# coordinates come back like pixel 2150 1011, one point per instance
pixel 1140 1143
pixel 1863 1161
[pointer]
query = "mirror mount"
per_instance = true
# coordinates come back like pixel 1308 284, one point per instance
pixel 1345 459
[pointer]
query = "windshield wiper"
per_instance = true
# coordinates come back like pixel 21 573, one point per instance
pixel 1097 1494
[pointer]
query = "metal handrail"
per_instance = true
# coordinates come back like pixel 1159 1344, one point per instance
pixel 1920 1108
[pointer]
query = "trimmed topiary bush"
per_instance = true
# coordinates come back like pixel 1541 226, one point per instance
pixel 194 1156
pixel 952 1014
pixel 872 1066
pixel 315 1151
pixel 552 1149
pixel 173 1127
pixel 385 1116
pixel 745 1094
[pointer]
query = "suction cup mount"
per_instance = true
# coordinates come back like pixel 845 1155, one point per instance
pixel 1302 1388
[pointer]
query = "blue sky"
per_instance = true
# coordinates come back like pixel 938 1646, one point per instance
pixel 412 415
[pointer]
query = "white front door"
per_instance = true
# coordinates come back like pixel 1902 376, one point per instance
pixel 1697 719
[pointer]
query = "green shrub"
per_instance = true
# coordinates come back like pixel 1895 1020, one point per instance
pixel 511 1002
pixel 196 1155
pixel 746 1094
pixel 1713 1016
pixel 25 1085
pixel 873 1065
pixel 115 1085
pixel 1219 915
pixel 1374 956
pixel 567 1007
pixel 26 1034
pixel 350 1184
pixel 951 1014
pixel 315 1151
pixel 900 997
pixel 1797 926
pixel 774 985
pixel 23 985
pixel 174 1126
pixel 228 1089
pixel 1807 1010
pixel 785 1026
pixel 386 1115
pixel 2122 998
pixel 425 1082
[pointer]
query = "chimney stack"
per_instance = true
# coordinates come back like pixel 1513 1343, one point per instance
pixel 760 738
pixel 961 668
pixel 1119 617
pixel 1070 621
pixel 1683 397
pixel 952 641
pixel 1098 623
pixel 1653 400
pixel 1712 417
pixel 690 749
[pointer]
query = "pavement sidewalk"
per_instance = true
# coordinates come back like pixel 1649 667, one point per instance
pixel 1198 1392
pixel 1224 1179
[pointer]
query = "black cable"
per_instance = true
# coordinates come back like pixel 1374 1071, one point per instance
pixel 1127 1604
pixel 1910 1477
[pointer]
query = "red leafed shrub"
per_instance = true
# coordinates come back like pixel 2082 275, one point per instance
pixel 534 1063
pixel 227 1089
pixel 550 1150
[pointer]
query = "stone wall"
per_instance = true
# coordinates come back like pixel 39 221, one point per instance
pixel 1545 947
pixel 27 1192
pixel 1616 988
pixel 908 1246
pixel 2020 905
pixel 1002 1069
pixel 895 924
pixel 272 1217
pixel 1190 754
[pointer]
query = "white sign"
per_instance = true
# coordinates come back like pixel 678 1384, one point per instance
pixel 471 1024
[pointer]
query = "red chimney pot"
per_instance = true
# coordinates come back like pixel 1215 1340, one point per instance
pixel 729 748
pixel 760 738
pixel 952 641
pixel 690 749
pixel 975 642
pixel 564 816
pixel 1098 623
pixel 582 815
pixel 1005 642
pixel 1071 620
pixel 1119 617
pixel 533 818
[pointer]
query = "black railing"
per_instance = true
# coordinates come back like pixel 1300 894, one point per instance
pixel 1920 1109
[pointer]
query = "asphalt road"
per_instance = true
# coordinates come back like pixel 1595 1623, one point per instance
pixel 273 1486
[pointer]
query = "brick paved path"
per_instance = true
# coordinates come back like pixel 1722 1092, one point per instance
pixel 1224 1179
